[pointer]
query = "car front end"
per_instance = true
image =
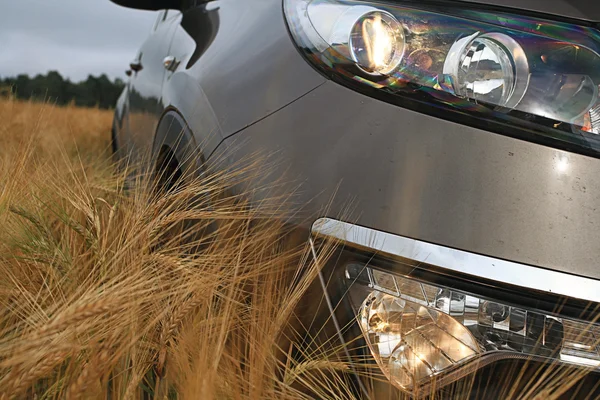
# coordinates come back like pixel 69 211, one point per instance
pixel 467 138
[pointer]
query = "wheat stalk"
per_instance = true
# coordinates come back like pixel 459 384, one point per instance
pixel 19 380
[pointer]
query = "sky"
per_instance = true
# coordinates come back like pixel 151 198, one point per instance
pixel 75 37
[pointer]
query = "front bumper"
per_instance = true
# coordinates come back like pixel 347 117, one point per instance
pixel 478 269
pixel 515 313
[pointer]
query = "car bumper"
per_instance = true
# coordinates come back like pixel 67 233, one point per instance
pixel 452 262
pixel 485 211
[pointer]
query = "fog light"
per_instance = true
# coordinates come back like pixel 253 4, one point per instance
pixel 411 342
pixel 417 331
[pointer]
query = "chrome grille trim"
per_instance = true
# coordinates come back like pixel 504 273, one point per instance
pixel 522 275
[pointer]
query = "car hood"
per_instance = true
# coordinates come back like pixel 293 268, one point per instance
pixel 588 10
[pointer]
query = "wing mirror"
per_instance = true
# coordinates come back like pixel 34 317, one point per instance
pixel 150 4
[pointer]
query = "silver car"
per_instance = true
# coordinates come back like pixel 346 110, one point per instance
pixel 467 135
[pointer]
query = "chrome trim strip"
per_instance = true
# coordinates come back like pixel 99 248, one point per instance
pixel 522 275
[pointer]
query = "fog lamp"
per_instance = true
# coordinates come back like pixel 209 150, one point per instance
pixel 417 331
pixel 413 342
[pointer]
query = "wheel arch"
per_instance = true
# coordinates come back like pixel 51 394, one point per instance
pixel 174 135
pixel 183 94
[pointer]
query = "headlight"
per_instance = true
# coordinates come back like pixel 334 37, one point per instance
pixel 531 78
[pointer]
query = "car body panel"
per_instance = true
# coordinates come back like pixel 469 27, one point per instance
pixel 146 86
pixel 120 117
pixel 182 93
pixel 245 64
pixel 426 178
pixel 120 125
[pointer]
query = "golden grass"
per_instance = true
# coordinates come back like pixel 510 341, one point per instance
pixel 105 292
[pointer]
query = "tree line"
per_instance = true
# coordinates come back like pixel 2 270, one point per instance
pixel 93 92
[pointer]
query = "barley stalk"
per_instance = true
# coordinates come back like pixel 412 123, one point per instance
pixel 90 373
pixel 19 380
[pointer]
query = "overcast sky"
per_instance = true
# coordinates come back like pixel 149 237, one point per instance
pixel 74 37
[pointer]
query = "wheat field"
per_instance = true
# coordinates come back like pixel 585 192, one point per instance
pixel 107 293
pixel 104 293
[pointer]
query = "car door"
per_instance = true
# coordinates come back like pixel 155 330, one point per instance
pixel 145 96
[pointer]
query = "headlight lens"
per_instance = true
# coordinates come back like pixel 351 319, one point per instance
pixel 412 342
pixel 491 68
pixel 377 42
pixel 417 331
pixel 507 73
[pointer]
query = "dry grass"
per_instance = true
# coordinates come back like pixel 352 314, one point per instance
pixel 109 294
pixel 106 291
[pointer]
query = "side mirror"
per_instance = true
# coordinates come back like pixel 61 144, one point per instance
pixel 150 4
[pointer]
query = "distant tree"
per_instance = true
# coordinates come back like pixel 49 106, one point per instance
pixel 23 83
pixel 55 86
pixel 94 91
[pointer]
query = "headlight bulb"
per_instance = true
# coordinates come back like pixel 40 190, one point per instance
pixel 377 42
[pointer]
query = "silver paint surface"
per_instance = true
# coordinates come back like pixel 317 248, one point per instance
pixel 429 179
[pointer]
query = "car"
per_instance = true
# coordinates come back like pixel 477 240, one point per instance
pixel 467 135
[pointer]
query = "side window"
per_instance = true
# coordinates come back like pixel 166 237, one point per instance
pixel 171 15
